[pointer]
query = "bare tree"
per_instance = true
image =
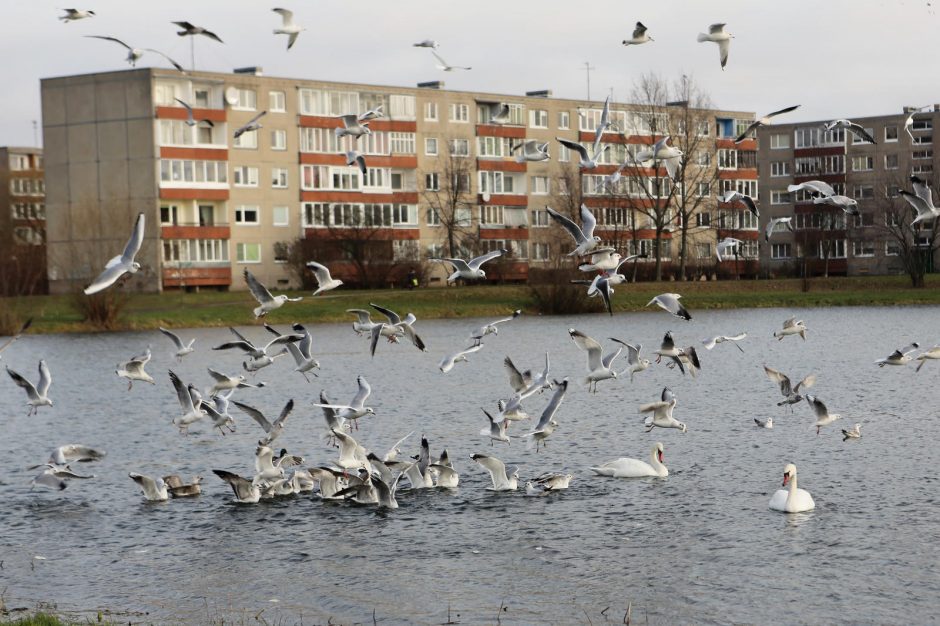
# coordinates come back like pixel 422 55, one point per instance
pixel 448 196
pixel 915 245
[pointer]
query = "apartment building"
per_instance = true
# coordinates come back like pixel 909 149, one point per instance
pixel 22 221
pixel 824 238
pixel 118 143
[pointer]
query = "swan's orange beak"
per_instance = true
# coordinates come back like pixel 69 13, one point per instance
pixel 786 478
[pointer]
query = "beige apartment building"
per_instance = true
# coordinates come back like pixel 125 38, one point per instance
pixel 118 143
pixel 22 221
pixel 824 238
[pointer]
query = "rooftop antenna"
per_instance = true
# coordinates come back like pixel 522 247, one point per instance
pixel 35 133
pixel 587 70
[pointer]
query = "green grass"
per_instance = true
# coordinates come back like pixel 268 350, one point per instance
pixel 209 308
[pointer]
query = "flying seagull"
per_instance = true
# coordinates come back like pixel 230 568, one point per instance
pixel 599 366
pixel 901 356
pixel 38 395
pixel 718 34
pixel 491 327
pixel 190 120
pixel 786 221
pixel 449 360
pixel 134 369
pixel 354 157
pixel 763 122
pixel 134 54
pixel 266 301
pixel 444 65
pixel 181 348
pixel 352 126
pixel 532 150
pixel 711 342
pixel 427 43
pixel 470 270
pixel 251 125
pixel 288 26
pixel 724 245
pixel 670 302
pixel 792 326
pixel 733 196
pixel 639 36
pixel 585 160
pixel 854 128
pixel 400 327
pixel 123 264
pixel 823 416
pixel 921 201
pixel 583 235
pixel 191 29
pixel 325 282
pixel 909 121
pixel 791 393
pixel 75 14
pixel 272 429
pixel 670 156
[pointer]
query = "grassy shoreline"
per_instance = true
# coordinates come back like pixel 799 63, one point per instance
pixel 56 314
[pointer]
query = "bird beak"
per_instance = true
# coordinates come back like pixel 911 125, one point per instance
pixel 786 479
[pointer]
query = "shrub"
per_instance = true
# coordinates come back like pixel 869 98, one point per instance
pixel 102 309
pixel 553 294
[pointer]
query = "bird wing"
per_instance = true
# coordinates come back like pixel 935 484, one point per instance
pixel 241 345
pixel 284 413
pixel 818 407
pixel 169 60
pixel 256 415
pixel 240 486
pixel 108 38
pixel 639 30
pixel 320 271
pixel 861 133
pixel 723 47
pixel 922 190
pixel 751 205
pixel 778 377
pixel 392 316
pixel 184 25
pixel 476 262
pixel 173 337
pixel 459 264
pixel 668 342
pixel 710 343
pixel 256 118
pixel 182 393
pixel 218 376
pixel 413 336
pixel 25 384
pixel 494 466
pixel 589 345
pixel 362 314
pixel 211 35
pixel 516 380
pixel 286 16
pixel 112 272
pixel 549 413
pixel 568 225
pixel 515 314
pixel 916 202
pixel 259 291
pixel 439 59
pixel 610 357
pixel 571 145
pixel 753 125
pixel 588 222
pixel 782 111
pixel 362 394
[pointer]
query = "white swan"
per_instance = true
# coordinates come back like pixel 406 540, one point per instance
pixel 634 468
pixel 791 500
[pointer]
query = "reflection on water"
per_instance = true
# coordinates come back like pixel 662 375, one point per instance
pixel 700 545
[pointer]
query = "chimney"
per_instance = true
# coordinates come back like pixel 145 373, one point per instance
pixel 255 70
pixel 539 93
pixel 432 84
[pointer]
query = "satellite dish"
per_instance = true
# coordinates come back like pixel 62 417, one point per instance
pixel 485 196
pixel 231 96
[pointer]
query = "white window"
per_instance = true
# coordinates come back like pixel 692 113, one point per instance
pixel 278 139
pixel 248 140
pixel 702 158
pixel 703 218
pixel 863 163
pixel 459 113
pixel 780 251
pixel 564 154
pixel 247 100
pixel 703 251
pixel 279 177
pixel 491 215
pixel 863 248
pixel 245 176
pixel 779 142
pixel 538 118
pixel 246 214
pixel 835 248
pixel 459 147
pixel 540 185
pixel 891 134
pixel 564 120
pixel 328 103
pixel 19 162
pixel 859 140
pixel 892 248
pixel 432 181
pixel 433 217
pixel 703 190
pixel 430 146
pixel 727 159
pixel 277 101
pixel 494 146
pixel 402 143
pixel 780 168
pixel 168 215
pixel 778 196
pixel 920 154
pixel 430 111
pixel 891 161
pixel 540 251
pixel 863 192
pixel 540 218
pixel 248 252
pixel 498 182
pixel 178 172
pixel 401 107
pixel 280 216
pixel 922 168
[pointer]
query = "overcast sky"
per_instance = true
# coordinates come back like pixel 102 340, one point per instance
pixel 838 58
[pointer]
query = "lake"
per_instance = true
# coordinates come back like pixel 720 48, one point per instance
pixel 699 546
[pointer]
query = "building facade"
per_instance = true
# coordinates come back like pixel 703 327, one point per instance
pixel 442 178
pixel 22 221
pixel 825 240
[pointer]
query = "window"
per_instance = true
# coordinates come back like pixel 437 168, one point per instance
pixel 703 190
pixel 703 251
pixel 281 250
pixel 779 197
pixel 540 185
pixel 702 158
pixel 540 218
pixel 459 147
pixel 277 101
pixel 402 143
pixel 432 181
pixel 859 140
pixel 401 107
pixel 430 146
pixel 27 235
pixel 168 215
pixel 564 120
pixel 863 163
pixel 863 219
pixel 278 139
pixel 891 133
pixel 779 142
pixel 500 182
pixel 280 216
pixel 832 249
pixel 494 146
pixel 248 140
pixel 863 248
pixel 780 168
pixel 248 252
pixel 727 159
pixel 892 191
pixel 245 176
pixel 538 118
pixel 279 177
pixel 433 217
pixel 328 103
pixel 178 172
pixel 923 168
pixel 459 113
pixel 891 161
pixel 921 154
pixel 247 215
pixel 430 111
pixel 491 215
pixel 19 162
pixel 892 248
pixel 781 251
pixel 925 124
pixel 863 192
pixel 247 100
pixel 564 154
pixel 540 251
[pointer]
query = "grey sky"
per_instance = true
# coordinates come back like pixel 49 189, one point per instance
pixel 837 58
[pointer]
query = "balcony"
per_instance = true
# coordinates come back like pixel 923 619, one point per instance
pixel 184 230
pixel 208 276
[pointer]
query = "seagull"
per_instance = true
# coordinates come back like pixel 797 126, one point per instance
pixel 56 477
pixel 499 113
pixel 288 27
pixel 724 245
pixel 38 394
pixel 553 481
pixel 351 455
pixel 732 196
pixel 583 235
pixel 585 160
pixel 639 36
pixel 662 413
pixel 526 383
pixel 372 114
pixel 269 468
pixel 223 382
pixel 155 489
pixel 134 369
pixel 598 368
pixel 492 327
pixel 602 125
pixel 178 489
pixel 852 433
pixel 767 423
pixel 855 129
pixel 181 348
pixel 734 339
pixel 363 323
pixel 190 404
pixel 909 121
pixel 602 260
pixel 901 356
pixel 547 423
pixel 847 204
pixel 75 14
pixel 688 357
pixel 933 353
pixel 354 157
pixel 921 201
pixel 72 453
pixel 470 270
pixel 263 296
pixel 449 360
pixel 134 54
pixel 601 284
pixel 790 393
pixel 503 479
pixel 823 416
pixel 496 431
pixel 786 221
pixel 443 65
pixel 717 34
pixel 670 302
pixel 791 326
pixel 402 326
pixel 352 126
pixel 246 492
pixel 633 358
pixel 427 43
pixel 660 151
pixel 273 429
pixel 218 413
pixel 613 178
pixel 532 151
pixel 333 420
pixel 356 408
pixel 260 354
pixel 302 352
pixel 190 120
pixel 120 265
pixel 668 349
pixel 325 282
pixel 395 450
pixel 763 122
pixel 16 335
pixel 250 126
pixel 814 187
pixel 190 29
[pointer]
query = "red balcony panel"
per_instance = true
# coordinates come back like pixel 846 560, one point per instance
pixel 494 130
pixel 739 174
pixel 179 113
pixel 725 143
pixel 172 193
pixel 395 126
pixel 500 165
pixel 806 152
pixel 202 154
pixel 743 235
pixel 517 232
pixel 505 199
pixel 395 160
pixel 400 197
pixel 195 232
pixel 318 121
pixel 196 276
pixel 381 234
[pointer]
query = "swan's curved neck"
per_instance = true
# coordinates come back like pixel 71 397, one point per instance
pixel 792 491
pixel 654 459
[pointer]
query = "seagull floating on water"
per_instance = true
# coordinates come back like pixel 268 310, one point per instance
pixel 503 479
pixel 852 433
pixel 155 489
pixel 767 423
